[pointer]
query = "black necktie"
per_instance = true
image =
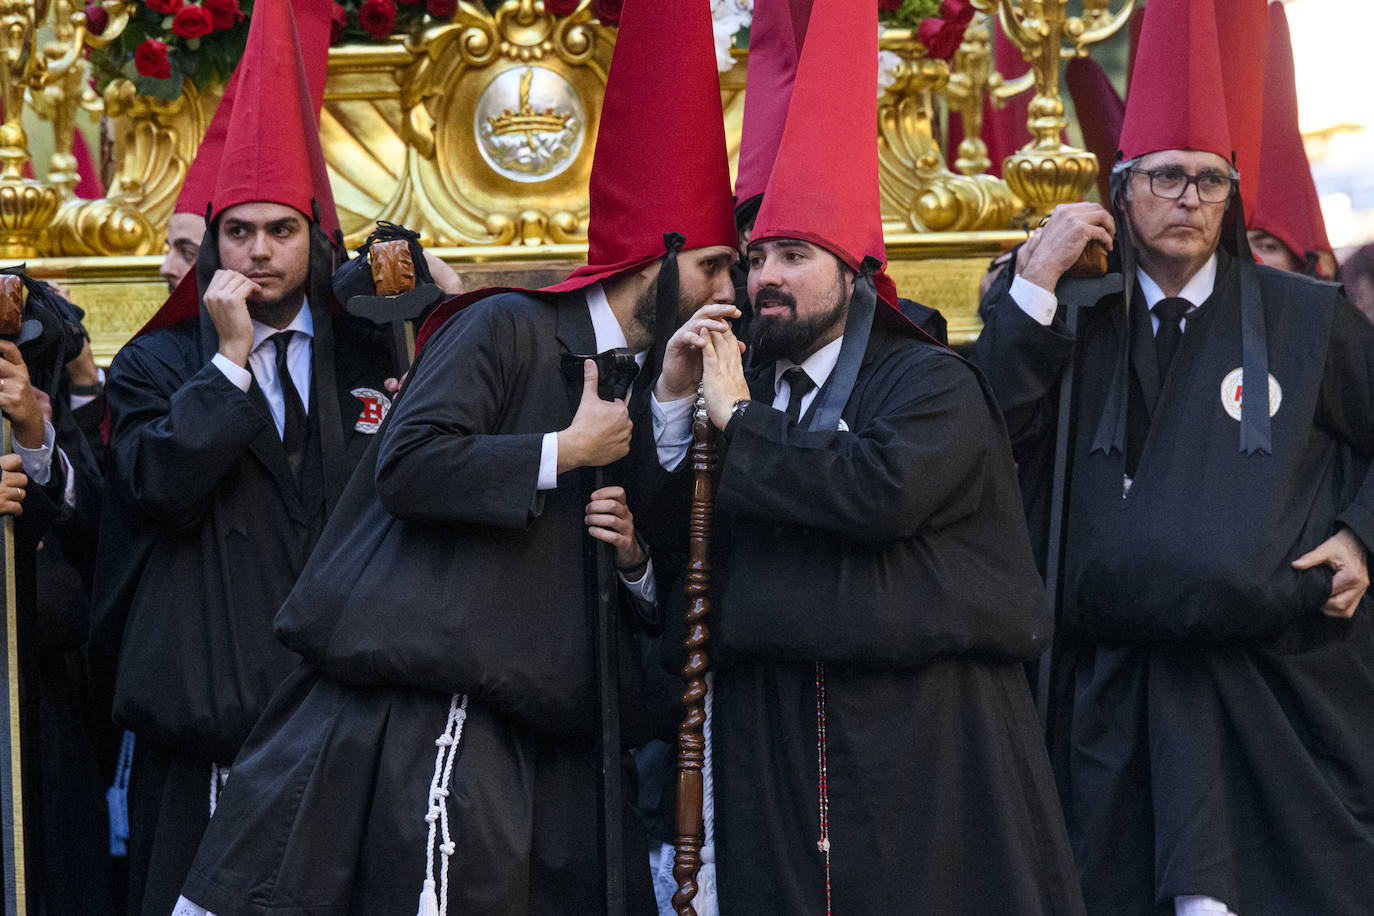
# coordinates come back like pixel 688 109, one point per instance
pixel 293 425
pixel 1170 312
pixel 798 384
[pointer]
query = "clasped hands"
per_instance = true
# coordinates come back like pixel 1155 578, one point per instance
pixel 705 351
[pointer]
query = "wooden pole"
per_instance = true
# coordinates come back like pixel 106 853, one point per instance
pixel 691 737
pixel 11 769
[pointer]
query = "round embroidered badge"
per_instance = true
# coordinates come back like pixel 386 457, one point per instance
pixel 1231 391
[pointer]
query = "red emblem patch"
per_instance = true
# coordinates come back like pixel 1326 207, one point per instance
pixel 376 405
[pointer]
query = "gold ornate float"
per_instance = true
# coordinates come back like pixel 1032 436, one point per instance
pixel 480 133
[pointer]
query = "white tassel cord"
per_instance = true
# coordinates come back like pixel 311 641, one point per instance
pixel 218 777
pixel 436 813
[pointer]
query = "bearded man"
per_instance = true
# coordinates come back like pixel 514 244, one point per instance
pixel 873 744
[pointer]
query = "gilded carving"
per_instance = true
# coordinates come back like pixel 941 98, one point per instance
pixel 918 192
pixel 1046 172
pixel 487 137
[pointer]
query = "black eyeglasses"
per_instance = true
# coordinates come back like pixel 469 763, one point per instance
pixel 1172 183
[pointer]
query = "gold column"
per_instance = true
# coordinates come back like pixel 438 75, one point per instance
pixel 919 194
pixel 26 206
pixel 1046 172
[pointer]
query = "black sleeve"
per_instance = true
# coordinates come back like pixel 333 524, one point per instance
pixel 1022 360
pixel 1345 405
pixel 172 441
pixel 440 459
pixel 914 464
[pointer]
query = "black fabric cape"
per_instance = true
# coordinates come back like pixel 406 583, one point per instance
pixel 1211 734
pixel 324 812
pixel 220 529
pixel 893 552
pixel 202 535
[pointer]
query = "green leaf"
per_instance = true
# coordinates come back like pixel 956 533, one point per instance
pixel 159 89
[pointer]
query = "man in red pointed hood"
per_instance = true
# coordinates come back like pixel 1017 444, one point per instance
pixel 1207 704
pixel 186 227
pixel 236 417
pixel 1286 230
pixel 445 614
pixel 878 584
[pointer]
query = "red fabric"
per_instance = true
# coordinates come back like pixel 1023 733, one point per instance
pixel 1177 98
pixel 1099 110
pixel 272 147
pixel 182 304
pixel 1137 20
pixel 1241 35
pixel 662 93
pixel 1286 204
pixel 775 41
pixel 88 185
pixel 824 185
pixel 313 20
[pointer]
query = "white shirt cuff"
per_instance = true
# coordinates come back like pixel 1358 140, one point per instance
pixel 81 400
pixel 548 463
pixel 1035 301
pixel 672 429
pixel 235 373
pixel 1200 906
pixel 643 587
pixel 69 489
pixel 38 461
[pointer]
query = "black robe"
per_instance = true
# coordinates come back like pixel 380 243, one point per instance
pixel 202 538
pixel 1211 730
pixel 895 554
pixel 325 810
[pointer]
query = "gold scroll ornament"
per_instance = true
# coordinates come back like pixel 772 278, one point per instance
pixel 484 133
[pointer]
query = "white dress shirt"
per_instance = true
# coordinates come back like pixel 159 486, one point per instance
pixel 1040 303
pixel 262 361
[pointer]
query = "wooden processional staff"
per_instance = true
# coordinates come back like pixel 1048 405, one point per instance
pixel 691 737
pixel 11 757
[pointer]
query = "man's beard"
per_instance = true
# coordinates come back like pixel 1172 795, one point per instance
pixel 275 312
pixel 775 336
pixel 645 317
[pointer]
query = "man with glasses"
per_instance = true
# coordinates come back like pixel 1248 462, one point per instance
pixel 1209 714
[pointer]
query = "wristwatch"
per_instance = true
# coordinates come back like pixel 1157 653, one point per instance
pixel 737 409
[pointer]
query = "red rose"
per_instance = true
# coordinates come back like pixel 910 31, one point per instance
pixel 96 20
pixel 338 21
pixel 442 9
pixel 192 22
pixel 225 14
pixel 564 7
pixel 165 7
pixel 959 11
pixel 941 37
pixel 608 11
pixel 377 17
pixel 889 5
pixel 150 59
